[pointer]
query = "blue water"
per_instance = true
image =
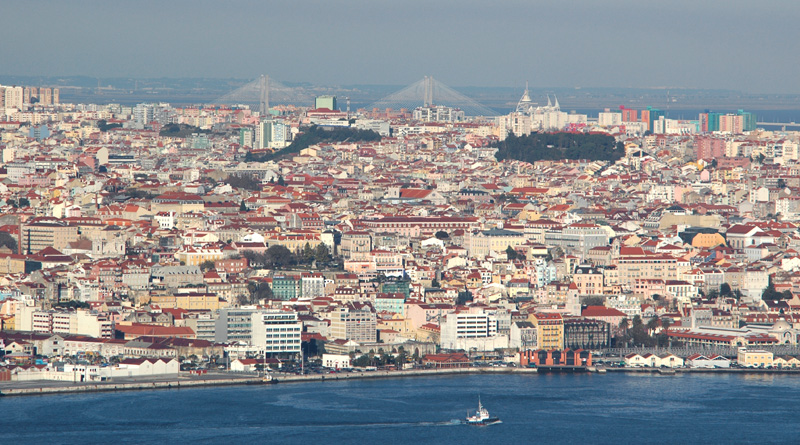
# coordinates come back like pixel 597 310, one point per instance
pixel 555 408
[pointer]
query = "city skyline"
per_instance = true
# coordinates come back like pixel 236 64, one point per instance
pixel 707 46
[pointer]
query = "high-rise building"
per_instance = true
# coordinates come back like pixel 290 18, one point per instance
pixel 328 102
pixel 246 137
pixel 56 96
pixel 13 97
pixel 629 115
pixel 45 96
pixel 749 120
pixel 355 321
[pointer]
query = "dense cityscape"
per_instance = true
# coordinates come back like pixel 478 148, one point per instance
pixel 284 241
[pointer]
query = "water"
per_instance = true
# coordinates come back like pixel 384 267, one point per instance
pixel 555 408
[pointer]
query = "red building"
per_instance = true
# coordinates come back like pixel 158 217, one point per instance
pixel 567 357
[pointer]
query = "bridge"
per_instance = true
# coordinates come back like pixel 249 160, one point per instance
pixel 779 124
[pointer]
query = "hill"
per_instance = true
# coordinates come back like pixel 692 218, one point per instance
pixel 554 146
pixel 314 135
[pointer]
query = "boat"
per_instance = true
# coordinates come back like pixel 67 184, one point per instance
pixel 482 417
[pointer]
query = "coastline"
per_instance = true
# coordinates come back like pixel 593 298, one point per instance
pixel 224 379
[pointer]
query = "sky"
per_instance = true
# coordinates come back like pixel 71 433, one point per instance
pixel 741 45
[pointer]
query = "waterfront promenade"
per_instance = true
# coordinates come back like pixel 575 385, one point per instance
pixel 43 387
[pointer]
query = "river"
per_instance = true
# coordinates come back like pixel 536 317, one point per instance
pixel 547 408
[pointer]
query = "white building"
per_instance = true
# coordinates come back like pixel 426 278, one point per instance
pixel 337 361
pixel 276 331
pixel 467 330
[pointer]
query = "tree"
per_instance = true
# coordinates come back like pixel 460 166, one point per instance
pixel 277 257
pixel 725 290
pixel 246 182
pixel 258 291
pixel 281 181
pixel 781 183
pixel 464 297
pixel 559 145
pixel 7 240
pixel 207 265
pixel 593 300
pixel 243 207
pixel 441 235
pixel 321 254
pixel 511 253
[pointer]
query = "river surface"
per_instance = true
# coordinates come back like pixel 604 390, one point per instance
pixel 551 408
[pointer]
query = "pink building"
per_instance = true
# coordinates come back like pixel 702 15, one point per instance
pixel 709 147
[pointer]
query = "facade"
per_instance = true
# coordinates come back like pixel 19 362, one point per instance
pixel 354 321
pixel 754 358
pixel 234 324
pixel 583 333
pixel 276 332
pixel 468 330
pixel 549 330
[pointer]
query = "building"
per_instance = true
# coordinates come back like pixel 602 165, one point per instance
pixel 336 361
pixel 275 332
pixel 494 241
pixel 568 357
pixel 754 358
pixel 584 333
pixel 234 324
pixel 354 321
pixel 327 102
pixel 471 330
pixel 549 330
pixel 523 335
pixel 41 233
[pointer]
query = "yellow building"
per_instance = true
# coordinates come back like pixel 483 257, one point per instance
pixel 11 263
pixel 549 330
pixel 177 202
pixel 195 256
pixel 754 358
pixel 494 241
pixel 47 232
pixel 190 301
pixel 708 240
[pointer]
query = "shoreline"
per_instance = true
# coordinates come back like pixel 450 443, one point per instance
pixel 181 381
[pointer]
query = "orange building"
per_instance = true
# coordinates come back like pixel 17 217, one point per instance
pixel 553 357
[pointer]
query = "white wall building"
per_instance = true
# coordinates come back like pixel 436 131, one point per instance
pixel 276 331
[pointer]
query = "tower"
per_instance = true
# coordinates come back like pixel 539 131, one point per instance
pixel 573 305
pixel 428 98
pixel 263 107
pixel 525 104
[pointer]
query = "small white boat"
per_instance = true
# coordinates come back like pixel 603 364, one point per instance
pixel 482 417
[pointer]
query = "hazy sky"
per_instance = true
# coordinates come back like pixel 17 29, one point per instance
pixel 749 45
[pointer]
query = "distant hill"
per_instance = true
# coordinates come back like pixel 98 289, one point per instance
pixel 554 146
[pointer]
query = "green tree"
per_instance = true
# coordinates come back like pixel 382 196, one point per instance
pixel 321 254
pixel 725 290
pixel 243 207
pixel 7 240
pixel 441 235
pixel 278 257
pixel 511 253
pixel 257 291
pixel 207 265
pixel 307 255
